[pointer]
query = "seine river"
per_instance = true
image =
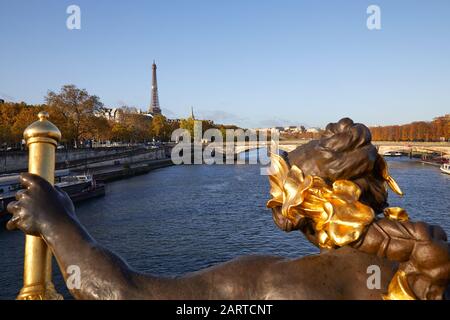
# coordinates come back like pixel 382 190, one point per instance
pixel 184 218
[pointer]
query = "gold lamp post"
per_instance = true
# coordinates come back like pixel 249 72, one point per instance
pixel 42 138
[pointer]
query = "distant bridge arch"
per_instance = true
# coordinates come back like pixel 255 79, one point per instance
pixel 382 146
pixel 413 147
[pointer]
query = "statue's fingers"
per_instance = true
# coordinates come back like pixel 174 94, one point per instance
pixel 438 233
pixel 446 272
pixel 13 207
pixel 21 194
pixel 29 180
pixel 12 223
pixel 435 292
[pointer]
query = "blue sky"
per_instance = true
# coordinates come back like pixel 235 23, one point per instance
pixel 255 63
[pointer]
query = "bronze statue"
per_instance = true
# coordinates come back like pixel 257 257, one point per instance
pixel 331 190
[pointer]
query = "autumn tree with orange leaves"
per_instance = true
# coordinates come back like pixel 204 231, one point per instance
pixel 436 130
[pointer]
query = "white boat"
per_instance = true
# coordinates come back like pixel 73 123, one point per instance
pixel 392 154
pixel 445 168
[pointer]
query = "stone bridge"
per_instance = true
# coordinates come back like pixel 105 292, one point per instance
pixel 413 147
pixel 383 146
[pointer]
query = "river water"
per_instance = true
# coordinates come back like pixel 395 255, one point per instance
pixel 184 218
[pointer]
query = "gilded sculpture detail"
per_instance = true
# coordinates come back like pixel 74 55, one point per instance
pixel 337 215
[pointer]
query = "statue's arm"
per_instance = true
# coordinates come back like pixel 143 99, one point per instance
pixel 104 275
pixel 90 270
pixel 42 210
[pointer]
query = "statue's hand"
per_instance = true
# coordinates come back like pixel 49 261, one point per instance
pixel 421 249
pixel 39 206
pixel 428 268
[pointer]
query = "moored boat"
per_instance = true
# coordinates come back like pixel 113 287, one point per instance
pixel 435 159
pixel 392 154
pixel 78 187
pixel 445 168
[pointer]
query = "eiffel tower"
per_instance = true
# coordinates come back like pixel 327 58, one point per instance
pixel 154 108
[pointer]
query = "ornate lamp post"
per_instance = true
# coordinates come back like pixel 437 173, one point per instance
pixel 42 138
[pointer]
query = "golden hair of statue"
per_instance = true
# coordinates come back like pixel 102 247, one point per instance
pixel 42 138
pixel 337 215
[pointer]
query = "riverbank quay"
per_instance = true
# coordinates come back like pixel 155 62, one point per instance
pixel 100 176
pixel 112 164
pixel 125 166
pixel 118 172
pixel 17 161
pixel 102 169
pixel 430 163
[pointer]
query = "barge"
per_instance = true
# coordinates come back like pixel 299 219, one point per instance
pixel 78 187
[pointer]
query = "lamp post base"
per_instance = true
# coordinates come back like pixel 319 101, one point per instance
pixel 39 292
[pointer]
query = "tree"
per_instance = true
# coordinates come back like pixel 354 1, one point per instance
pixel 188 124
pixel 120 132
pixel 438 129
pixel 14 118
pixel 160 128
pixel 101 129
pixel 72 109
pixel 441 127
pixel 139 124
pixel 8 113
pixel 25 117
